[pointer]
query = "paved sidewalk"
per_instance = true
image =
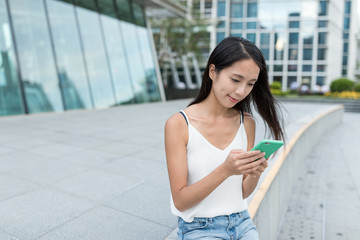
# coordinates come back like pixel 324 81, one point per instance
pixel 325 202
pixel 93 174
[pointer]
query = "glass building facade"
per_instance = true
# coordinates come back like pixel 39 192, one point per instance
pixel 74 54
pixel 307 41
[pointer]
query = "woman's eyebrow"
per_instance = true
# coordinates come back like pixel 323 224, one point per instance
pixel 242 77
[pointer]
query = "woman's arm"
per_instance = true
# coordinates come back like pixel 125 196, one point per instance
pixel 185 196
pixel 251 179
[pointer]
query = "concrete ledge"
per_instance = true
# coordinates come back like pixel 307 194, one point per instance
pixel 270 200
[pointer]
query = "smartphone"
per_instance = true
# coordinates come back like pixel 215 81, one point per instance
pixel 268 146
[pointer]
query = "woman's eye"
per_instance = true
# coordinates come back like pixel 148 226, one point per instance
pixel 234 80
pixel 251 84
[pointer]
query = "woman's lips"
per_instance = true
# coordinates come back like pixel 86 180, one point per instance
pixel 233 99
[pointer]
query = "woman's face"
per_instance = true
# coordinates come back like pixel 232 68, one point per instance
pixel 234 83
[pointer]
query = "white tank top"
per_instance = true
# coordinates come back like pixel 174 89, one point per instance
pixel 202 159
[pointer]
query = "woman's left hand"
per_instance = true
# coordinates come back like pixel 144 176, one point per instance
pixel 259 170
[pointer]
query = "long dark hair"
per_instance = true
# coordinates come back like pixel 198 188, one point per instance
pixel 233 49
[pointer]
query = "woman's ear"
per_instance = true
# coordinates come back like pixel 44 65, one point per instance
pixel 212 72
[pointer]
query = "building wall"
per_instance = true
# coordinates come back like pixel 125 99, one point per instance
pixel 74 54
pixel 302 41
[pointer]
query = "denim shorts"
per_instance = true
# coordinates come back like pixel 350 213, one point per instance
pixel 235 226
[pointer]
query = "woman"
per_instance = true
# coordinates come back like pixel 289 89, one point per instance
pixel 211 168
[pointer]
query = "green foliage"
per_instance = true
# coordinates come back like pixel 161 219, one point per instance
pixel 357 87
pixel 341 84
pixel 276 85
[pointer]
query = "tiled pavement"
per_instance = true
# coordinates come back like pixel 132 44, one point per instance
pixel 93 174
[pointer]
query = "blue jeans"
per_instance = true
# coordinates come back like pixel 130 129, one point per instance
pixel 230 227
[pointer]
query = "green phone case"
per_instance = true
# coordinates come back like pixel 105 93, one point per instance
pixel 268 146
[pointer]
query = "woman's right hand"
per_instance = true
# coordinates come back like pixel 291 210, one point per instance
pixel 239 161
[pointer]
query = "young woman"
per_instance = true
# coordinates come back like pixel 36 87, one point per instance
pixel 211 168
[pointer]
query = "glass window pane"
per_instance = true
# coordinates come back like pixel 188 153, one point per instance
pixel 264 38
pixel 307 68
pixel 346 47
pixel 252 10
pixel 308 40
pixel 347 23
pixel 236 34
pixel 346 35
pixel 348 7
pixel 219 37
pixel 278 68
pixel 320 80
pixel 138 14
pixel 73 79
pixel 251 37
pixel 293 53
pixel 321 68
pixel 307 54
pixel 135 58
pixel 265 52
pixel 236 25
pixel 321 54
pixel 118 61
pixel 86 4
pixel 95 57
pixel 322 24
pixel 322 38
pixel 10 92
pixel 278 54
pixel 294 24
pixel 237 10
pixel 251 25
pixel 124 10
pixel 40 81
pixel 345 60
pixel 323 5
pixel 292 68
pixel 293 38
pixel 151 87
pixel 221 24
pixel 292 83
pixel 221 9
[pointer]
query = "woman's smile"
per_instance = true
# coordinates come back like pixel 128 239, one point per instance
pixel 234 100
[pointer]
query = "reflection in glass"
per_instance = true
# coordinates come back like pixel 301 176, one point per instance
pixel 346 47
pixel 10 93
pixel 133 53
pixel 98 70
pixel 236 34
pixel 292 82
pixel 345 60
pixel 151 85
pixel 321 68
pixel 72 73
pixel 40 80
pixel 118 61
pixel 279 46
pixel 138 14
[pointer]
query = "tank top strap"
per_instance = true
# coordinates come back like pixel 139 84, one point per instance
pixel 185 116
pixel 242 117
